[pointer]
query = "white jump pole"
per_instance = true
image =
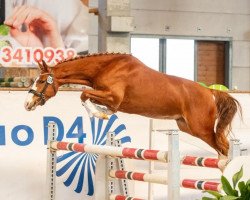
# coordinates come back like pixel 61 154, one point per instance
pixel 234 149
pixel 173 177
pixel 151 163
pixel 173 166
pixel 51 163
pixel 101 179
pixel 105 186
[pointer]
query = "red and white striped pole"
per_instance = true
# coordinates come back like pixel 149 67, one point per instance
pixel 121 197
pixel 123 152
pixel 137 176
pixel 159 179
pixel 201 185
pixel 204 162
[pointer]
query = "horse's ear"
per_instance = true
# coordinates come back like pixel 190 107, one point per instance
pixel 43 66
pixel 40 66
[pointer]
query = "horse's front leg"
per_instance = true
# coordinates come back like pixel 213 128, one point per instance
pixel 110 99
pixel 93 109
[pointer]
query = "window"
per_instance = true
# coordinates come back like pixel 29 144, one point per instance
pixel 146 50
pixel 198 60
pixel 178 60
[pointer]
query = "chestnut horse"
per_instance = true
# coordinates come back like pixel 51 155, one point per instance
pixel 123 83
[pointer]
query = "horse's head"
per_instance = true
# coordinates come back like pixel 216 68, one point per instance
pixel 44 87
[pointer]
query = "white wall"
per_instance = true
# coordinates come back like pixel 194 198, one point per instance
pixel 207 18
pixel 224 18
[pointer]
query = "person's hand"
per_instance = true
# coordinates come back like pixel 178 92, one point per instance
pixel 39 26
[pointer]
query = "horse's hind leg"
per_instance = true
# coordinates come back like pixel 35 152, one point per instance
pixel 211 137
pixel 200 127
pixel 200 132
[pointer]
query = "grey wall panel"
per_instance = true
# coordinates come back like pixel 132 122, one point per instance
pixel 93 44
pixel 213 6
pixel 192 24
pixel 241 78
pixel 93 29
pixel 93 24
pixel 241 53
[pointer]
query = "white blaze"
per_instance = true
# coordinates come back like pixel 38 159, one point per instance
pixel 29 98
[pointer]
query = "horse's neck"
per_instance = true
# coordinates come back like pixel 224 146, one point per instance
pixel 84 70
pixel 78 71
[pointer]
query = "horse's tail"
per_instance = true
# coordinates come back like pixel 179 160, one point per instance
pixel 227 106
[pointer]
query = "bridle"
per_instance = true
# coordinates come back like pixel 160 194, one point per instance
pixel 49 81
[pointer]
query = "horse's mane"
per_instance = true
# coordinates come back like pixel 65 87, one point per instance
pixel 91 55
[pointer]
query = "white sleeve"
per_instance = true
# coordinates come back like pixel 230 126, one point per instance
pixel 76 34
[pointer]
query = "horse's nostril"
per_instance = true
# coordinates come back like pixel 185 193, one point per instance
pixel 27 106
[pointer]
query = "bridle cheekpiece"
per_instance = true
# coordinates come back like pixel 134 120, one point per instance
pixel 49 81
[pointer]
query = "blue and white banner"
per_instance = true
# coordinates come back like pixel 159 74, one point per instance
pixel 23 150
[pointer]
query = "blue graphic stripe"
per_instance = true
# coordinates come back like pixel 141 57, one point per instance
pixel 95 155
pixel 93 162
pixel 107 128
pixel 119 129
pixel 61 171
pixel 65 156
pixel 99 129
pixel 81 178
pixel 125 139
pixel 90 178
pixel 74 171
pixel 92 122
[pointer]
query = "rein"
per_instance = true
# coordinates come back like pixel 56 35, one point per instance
pixel 49 81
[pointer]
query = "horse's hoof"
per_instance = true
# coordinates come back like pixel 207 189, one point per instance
pixel 101 115
pixel 105 116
